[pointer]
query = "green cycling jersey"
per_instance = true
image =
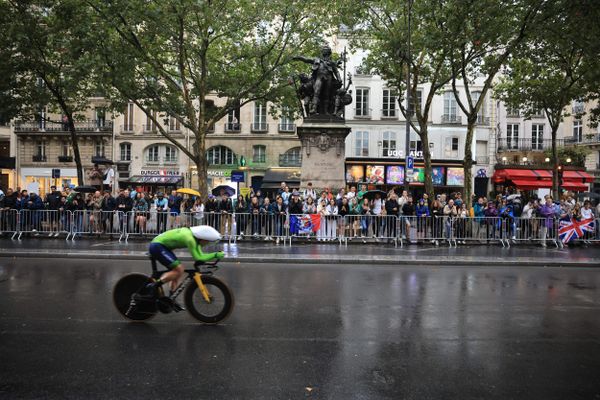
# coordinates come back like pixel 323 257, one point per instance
pixel 181 238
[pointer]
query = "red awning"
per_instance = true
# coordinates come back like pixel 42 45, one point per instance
pixel 531 184
pixel 578 176
pixel 575 186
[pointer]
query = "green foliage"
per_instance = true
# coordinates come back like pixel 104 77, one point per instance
pixel 577 155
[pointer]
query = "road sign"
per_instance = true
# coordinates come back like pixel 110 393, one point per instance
pixel 410 162
pixel 55 173
pixel 237 176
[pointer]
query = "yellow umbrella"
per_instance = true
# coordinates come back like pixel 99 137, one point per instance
pixel 188 191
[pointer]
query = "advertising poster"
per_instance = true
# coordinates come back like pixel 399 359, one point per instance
pixel 375 174
pixel 437 175
pixel 418 175
pixel 394 175
pixel 355 173
pixel 455 177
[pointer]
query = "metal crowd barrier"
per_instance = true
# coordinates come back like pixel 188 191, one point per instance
pixel 297 227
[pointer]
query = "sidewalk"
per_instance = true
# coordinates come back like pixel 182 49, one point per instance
pixel 261 252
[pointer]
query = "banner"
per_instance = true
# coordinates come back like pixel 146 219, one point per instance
pixel 571 229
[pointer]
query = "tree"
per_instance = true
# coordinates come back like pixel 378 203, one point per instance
pixel 551 70
pixel 381 28
pixel 50 62
pixel 480 36
pixel 196 61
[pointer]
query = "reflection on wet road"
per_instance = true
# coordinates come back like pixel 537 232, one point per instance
pixel 329 332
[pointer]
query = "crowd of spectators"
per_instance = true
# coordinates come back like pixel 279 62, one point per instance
pixel 352 213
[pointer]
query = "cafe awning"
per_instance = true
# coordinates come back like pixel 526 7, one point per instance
pixel 575 186
pixel 530 184
pixel 529 174
pixel 155 180
pixel 578 176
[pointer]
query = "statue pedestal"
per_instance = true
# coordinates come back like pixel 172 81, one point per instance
pixel 323 153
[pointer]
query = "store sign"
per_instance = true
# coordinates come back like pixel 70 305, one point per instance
pixel 159 172
pixel 400 153
pixel 237 176
pixel 219 173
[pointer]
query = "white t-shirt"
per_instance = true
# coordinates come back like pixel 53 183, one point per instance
pixel 350 196
pixel 377 204
pixel 110 174
pixel 586 214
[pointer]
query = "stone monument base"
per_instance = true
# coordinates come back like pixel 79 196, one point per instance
pixel 323 153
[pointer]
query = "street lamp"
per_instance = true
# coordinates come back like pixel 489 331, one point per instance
pixel 524 159
pixel 568 160
pixel 547 159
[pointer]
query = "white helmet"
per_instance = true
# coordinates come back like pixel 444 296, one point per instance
pixel 205 232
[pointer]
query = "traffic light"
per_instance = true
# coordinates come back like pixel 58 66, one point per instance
pixel 242 161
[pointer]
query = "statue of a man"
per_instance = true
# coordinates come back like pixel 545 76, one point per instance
pixel 326 81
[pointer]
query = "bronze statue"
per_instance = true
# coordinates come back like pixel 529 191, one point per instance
pixel 320 91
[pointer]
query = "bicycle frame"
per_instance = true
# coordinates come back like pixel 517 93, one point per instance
pixel 194 274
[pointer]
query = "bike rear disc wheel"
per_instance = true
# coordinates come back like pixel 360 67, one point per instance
pixel 220 305
pixel 122 292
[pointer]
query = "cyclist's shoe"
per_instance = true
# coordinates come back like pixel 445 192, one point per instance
pixel 177 307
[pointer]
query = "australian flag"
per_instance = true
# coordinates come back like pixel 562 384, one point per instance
pixel 304 224
pixel 571 229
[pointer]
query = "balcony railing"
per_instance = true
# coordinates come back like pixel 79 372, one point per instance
pixel 287 161
pixel 584 139
pixel 480 160
pixel 38 158
pixel 150 128
pixel 510 113
pixel 233 127
pixel 152 160
pixel 509 144
pixel 259 127
pixel 128 128
pixel 389 113
pixel 287 128
pixel 60 127
pixel 537 115
pixel 65 158
pixel 451 119
pixel 484 121
pixel 362 113
pixel 174 129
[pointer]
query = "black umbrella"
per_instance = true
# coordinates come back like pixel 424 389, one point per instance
pixel 228 189
pixel 590 195
pixel 101 160
pixel 85 189
pixel 370 195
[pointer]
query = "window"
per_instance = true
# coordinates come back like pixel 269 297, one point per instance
pixel 291 158
pixel 100 114
pixel 174 125
pixel 150 124
pixel 537 136
pixel 220 155
pixel 577 107
pixel 128 118
pixel 286 123
pixel 512 136
pixel 171 154
pixel 389 103
pixel 259 154
pixel 475 98
pixel 260 117
pixel 125 153
pixel 66 149
pixel 418 101
pixel 362 103
pixel 512 111
pixel 233 120
pixel 454 144
pixel 449 107
pixel 577 130
pixel 152 154
pixel 42 118
pixel 99 148
pixel 388 144
pixel 40 147
pixel 415 145
pixel 361 144
pixel 451 147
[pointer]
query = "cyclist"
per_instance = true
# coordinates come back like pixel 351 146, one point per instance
pixel 162 246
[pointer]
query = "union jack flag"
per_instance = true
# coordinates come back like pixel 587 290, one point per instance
pixel 571 229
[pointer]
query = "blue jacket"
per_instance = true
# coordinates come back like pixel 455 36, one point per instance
pixel 422 210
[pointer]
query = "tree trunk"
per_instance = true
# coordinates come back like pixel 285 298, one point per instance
pixel 468 162
pixel 555 163
pixel 76 154
pixel 201 166
pixel 427 160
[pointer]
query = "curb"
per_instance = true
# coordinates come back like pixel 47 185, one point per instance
pixel 337 260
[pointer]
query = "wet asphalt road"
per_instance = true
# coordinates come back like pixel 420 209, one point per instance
pixel 306 331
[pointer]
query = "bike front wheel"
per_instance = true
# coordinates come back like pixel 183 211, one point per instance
pixel 122 292
pixel 220 305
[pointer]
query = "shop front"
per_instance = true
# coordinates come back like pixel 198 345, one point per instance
pixel 7 172
pixel 152 181
pixel 539 180
pixel 39 180
pixel 386 174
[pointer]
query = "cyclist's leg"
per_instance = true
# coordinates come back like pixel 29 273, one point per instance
pixel 167 258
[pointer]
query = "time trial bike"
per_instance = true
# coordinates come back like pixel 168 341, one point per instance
pixel 207 298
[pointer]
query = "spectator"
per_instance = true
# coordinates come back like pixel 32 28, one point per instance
pixel 408 212
pixel 322 210
pixel 285 195
pixel 198 210
pixel 211 209
pixel 491 214
pixel 266 212
pixel 547 212
pixel 365 221
pixel 461 228
pixel 95 177
pixel 279 212
pixel 295 205
pixel 175 201
pixel 241 216
pixel 392 210
pixel 361 193
pixel 479 214
pixel 423 213
pixel 109 205
pixel 437 213
pixel 355 211
pixel 254 210
pixel 309 192
pixel 125 205
pixel 52 202
pixel 450 214
pixel 8 207
pixel 309 206
pixel 351 194
pixel 332 212
pixel 141 208
pixel 376 209
pixel 343 211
